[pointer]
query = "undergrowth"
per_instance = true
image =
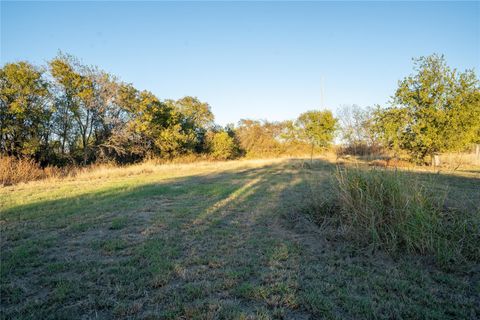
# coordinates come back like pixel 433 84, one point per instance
pixel 399 213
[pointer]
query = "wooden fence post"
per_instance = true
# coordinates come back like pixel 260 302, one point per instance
pixel 477 153
pixel 436 160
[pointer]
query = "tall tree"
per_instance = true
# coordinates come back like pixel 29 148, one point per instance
pixel 441 107
pixel 86 109
pixel 24 110
pixel 317 127
pixel 355 127
pixel 388 126
pixel 258 138
pixel 195 118
pixel 198 113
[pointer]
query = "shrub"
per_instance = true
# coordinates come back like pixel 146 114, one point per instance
pixel 13 171
pixel 360 149
pixel 393 210
pixel 222 146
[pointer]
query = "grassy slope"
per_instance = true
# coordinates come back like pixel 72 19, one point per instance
pixel 208 241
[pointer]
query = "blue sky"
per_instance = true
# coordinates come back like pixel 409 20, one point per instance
pixel 262 60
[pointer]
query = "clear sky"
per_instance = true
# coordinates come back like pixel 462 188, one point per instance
pixel 262 60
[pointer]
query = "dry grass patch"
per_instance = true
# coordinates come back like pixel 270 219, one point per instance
pixel 209 240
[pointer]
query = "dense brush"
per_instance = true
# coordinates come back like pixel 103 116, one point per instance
pixel 395 211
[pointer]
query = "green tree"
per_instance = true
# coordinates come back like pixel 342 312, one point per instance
pixel 259 138
pixel 24 110
pixel 317 127
pixel 67 85
pixel 82 114
pixel 195 112
pixel 222 145
pixel 441 108
pixel 388 127
pixel 76 102
pixel 86 109
pixel 173 141
pixel 195 119
pixel 155 122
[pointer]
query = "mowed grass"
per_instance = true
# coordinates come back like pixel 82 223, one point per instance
pixel 211 241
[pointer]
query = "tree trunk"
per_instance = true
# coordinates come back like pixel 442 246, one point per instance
pixel 436 160
pixel 85 146
pixel 311 155
pixel 64 138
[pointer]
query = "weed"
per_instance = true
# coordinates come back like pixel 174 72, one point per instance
pixel 396 211
pixel 210 241
pixel 119 223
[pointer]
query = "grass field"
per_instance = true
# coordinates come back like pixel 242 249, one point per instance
pixel 211 241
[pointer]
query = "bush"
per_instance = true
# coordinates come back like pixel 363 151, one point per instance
pixel 360 149
pixel 394 211
pixel 222 146
pixel 14 170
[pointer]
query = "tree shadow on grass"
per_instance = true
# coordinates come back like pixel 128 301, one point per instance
pixel 101 252
pixel 340 279
pixel 207 245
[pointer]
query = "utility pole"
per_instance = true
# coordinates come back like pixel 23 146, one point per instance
pixel 322 96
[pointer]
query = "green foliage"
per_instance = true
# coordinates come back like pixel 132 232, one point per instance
pixel 83 114
pixel 222 146
pixel 389 125
pixel 25 110
pixel 196 114
pixel 72 113
pixel 152 121
pixel 317 127
pixel 394 210
pixel 258 138
pixel 264 138
pixel 195 118
pixel 84 110
pixel 173 140
pixel 436 110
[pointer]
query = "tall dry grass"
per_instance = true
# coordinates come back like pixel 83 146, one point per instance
pixel 13 171
pixel 458 160
pixel 395 211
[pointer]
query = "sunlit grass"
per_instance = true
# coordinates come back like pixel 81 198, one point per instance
pixel 214 239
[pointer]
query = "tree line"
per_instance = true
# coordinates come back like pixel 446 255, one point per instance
pixel 70 113
pixel 434 110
